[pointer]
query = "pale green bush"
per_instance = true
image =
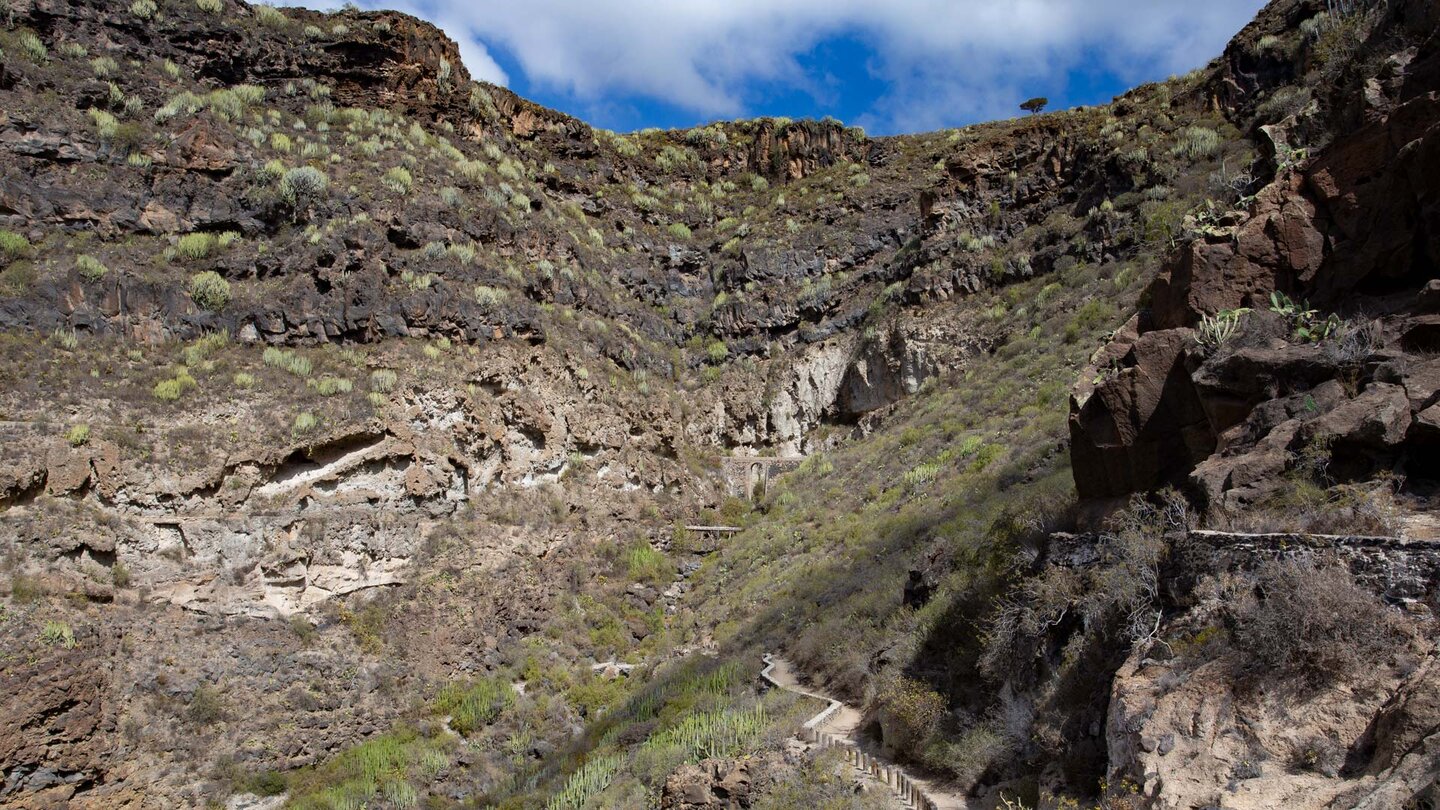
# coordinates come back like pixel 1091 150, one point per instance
pixel 78 435
pixel 398 180
pixel 209 290
pixel 90 268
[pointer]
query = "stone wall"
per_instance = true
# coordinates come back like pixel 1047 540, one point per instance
pixel 1398 569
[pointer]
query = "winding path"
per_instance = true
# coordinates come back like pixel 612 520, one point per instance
pixel 838 726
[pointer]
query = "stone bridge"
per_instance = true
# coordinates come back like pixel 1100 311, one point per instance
pixel 749 476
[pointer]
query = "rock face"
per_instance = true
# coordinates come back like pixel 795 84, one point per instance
pixel 531 339
pixel 714 784
pixel 58 724
pixel 1190 740
pixel 1342 233
pixel 1140 422
pixel 1282 344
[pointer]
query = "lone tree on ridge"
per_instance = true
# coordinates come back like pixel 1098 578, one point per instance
pixel 1035 105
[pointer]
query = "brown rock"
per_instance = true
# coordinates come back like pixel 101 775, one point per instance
pixel 710 785
pixel 51 715
pixel 1429 297
pixel 1421 379
pixel 1426 426
pixel 67 469
pixel 1143 426
pixel 203 148
pixel 1379 418
pixel 1276 248
pixel 1228 482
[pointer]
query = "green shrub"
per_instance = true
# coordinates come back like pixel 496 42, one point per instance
pixel 209 6
pixel 209 290
pixel 90 268
pixel 272 170
pixel 679 230
pixel 594 776
pixel 488 298
pixel 644 564
pixel 103 67
pixel 144 9
pixel 264 783
pixel 383 380
pixel 195 245
pixel 330 386
pixel 13 245
pixel 472 706
pixel 172 389
pixel 78 435
pixel 244 379
pixel 57 633
pixel 398 180
pixel 204 346
pixel 182 104
pixel 1197 142
pixel 105 124
pixel 33 47
pixel 206 705
pixel 416 281
pixel 168 390
pixel 270 16
pixel 296 364
pixel 717 351
pixel 463 254
pixel 230 104
pixel 510 169
pixel 922 474
pixel 304 423
pixel 65 338
pixel 911 712
pixel 302 186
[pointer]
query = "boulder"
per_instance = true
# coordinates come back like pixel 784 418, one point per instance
pixel 1142 424
pixel 1278 246
pixel 713 784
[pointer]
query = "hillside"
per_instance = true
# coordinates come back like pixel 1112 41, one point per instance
pixel 355 411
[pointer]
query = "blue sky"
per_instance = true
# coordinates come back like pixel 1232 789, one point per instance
pixel 896 66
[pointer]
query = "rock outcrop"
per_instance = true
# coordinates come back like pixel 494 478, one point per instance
pixel 1219 384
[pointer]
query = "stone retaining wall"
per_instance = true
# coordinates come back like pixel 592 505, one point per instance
pixel 1397 568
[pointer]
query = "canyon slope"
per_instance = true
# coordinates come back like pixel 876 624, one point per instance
pixel 358 418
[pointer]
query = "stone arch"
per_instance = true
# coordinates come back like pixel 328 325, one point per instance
pixel 755 476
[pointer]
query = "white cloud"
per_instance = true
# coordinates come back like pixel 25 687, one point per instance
pixel 943 60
